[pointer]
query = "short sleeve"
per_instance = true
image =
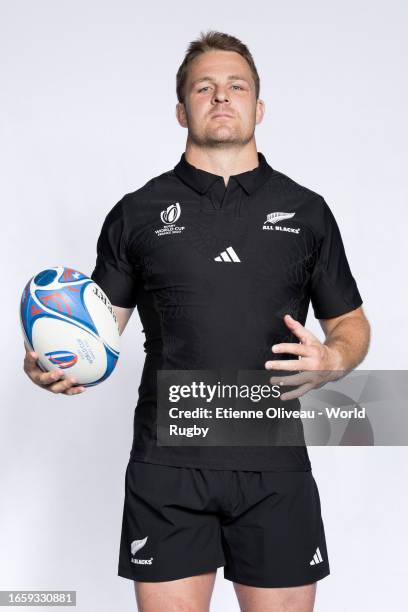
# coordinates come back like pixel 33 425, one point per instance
pixel 333 288
pixel 117 276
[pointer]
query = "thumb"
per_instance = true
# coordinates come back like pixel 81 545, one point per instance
pixel 305 336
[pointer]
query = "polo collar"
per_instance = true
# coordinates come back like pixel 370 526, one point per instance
pixel 201 180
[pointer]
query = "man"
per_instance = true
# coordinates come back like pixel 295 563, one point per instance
pixel 221 256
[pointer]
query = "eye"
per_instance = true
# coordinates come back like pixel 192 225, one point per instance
pixel 202 88
pixel 239 86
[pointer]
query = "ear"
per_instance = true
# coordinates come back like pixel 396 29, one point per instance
pixel 181 114
pixel 260 111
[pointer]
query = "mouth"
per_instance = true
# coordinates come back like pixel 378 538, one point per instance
pixel 222 115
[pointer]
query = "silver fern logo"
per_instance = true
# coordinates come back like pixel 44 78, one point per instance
pixel 169 218
pixel 171 214
pixel 275 217
pixel 134 547
pixel 278 216
pixel 137 545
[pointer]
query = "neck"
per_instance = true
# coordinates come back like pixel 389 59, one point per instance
pixel 224 161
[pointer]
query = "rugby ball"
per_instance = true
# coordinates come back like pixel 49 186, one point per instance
pixel 69 321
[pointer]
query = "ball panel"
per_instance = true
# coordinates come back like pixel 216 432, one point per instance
pixel 79 354
pixel 103 316
pixel 68 275
pixel 112 359
pixel 67 301
pixel 45 277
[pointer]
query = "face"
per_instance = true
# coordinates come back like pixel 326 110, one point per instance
pixel 220 107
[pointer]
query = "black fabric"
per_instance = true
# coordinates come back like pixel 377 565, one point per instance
pixel 199 313
pixel 263 527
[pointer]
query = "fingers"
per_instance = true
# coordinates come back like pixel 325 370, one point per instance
pixel 302 390
pixel 30 357
pixel 74 390
pixel 46 378
pixel 304 381
pixel 290 365
pixel 30 363
pixel 66 386
pixel 293 348
pixel 36 374
pixel 298 329
pixel 54 381
pixel 31 367
pixel 292 380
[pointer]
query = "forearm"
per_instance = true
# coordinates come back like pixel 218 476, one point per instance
pixel 122 315
pixel 348 343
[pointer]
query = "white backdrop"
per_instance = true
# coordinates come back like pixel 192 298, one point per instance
pixel 88 114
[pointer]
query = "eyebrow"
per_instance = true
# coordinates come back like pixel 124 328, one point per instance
pixel 232 77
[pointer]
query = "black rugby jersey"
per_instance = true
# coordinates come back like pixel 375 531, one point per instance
pixel 212 271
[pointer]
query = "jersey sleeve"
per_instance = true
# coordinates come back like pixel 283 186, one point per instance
pixel 333 288
pixel 114 272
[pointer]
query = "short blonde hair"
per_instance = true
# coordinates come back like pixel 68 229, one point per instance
pixel 210 41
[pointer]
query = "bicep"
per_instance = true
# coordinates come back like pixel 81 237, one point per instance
pixel 123 315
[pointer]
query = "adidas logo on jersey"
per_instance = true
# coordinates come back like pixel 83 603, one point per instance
pixel 317 558
pixel 228 256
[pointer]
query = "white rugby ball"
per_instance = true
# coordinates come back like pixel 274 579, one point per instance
pixel 69 321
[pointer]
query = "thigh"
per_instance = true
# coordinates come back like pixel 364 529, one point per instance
pixel 169 530
pixel 274 536
pixel 191 594
pixel 284 599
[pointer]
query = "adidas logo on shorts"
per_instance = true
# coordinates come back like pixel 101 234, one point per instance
pixel 317 557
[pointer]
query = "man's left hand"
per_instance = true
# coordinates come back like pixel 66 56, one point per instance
pixel 315 361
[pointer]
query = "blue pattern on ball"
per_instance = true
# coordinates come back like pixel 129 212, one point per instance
pixel 45 277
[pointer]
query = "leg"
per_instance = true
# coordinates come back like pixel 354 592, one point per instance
pixel 287 599
pixel 170 529
pixel 274 541
pixel 191 594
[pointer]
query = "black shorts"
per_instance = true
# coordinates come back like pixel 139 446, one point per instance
pixel 265 528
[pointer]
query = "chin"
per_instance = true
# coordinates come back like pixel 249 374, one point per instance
pixel 223 136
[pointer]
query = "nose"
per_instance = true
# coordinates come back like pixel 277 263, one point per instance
pixel 220 95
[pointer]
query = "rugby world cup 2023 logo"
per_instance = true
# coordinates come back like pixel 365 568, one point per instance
pixel 169 216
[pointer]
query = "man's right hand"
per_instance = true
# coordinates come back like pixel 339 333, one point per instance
pixel 54 381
